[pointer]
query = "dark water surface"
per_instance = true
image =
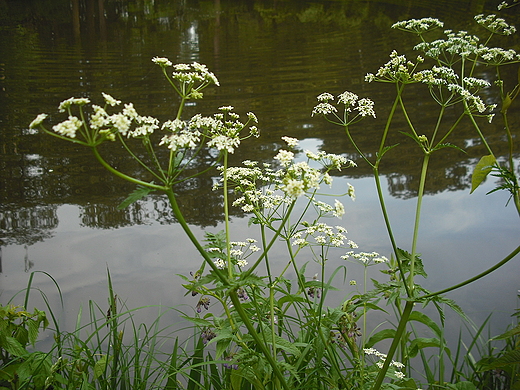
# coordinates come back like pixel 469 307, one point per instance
pixel 58 206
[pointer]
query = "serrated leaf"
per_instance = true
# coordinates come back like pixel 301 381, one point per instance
pixel 509 358
pixel 510 333
pixel 33 330
pixel 11 345
pixel 482 169
pixel 406 258
pixel 139 193
pixel 385 149
pixel 448 145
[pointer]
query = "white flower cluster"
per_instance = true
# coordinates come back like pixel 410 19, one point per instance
pixel 497 56
pixel 351 102
pixel 382 357
pixel 323 235
pixel 264 189
pixel 66 104
pixel 437 75
pixel 418 26
pixel 162 61
pixel 69 127
pixel 447 50
pixel 37 121
pixel 366 258
pixel 398 68
pixel 181 136
pixel 222 129
pixel 239 252
pixel 445 77
pixel 254 183
pixel 191 74
pixel 495 24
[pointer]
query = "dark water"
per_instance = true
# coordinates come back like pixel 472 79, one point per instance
pixel 58 207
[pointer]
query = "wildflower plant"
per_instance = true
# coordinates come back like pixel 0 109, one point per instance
pixel 257 328
pixel 450 68
pixel 247 318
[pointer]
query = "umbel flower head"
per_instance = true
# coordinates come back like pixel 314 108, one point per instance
pixel 418 26
pixel 397 69
pixel 354 109
pixel 187 79
pixel 495 24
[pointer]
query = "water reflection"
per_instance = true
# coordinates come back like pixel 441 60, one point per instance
pixel 271 57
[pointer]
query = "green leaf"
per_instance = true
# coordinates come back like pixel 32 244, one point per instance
pixel 510 333
pixel 33 330
pixel 484 166
pixel 198 321
pixel 420 343
pixel 381 335
pixel 406 259
pixel 222 345
pixel 13 346
pixel 463 386
pixel 385 149
pixel 423 318
pixel 507 359
pixel 100 367
pixel 448 145
pixel 291 298
pixel 506 103
pixel 134 196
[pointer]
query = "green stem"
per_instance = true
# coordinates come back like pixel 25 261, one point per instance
pixel 259 342
pixel 474 122
pixel 395 343
pixel 121 175
pixel 180 218
pixel 477 277
pixel 271 243
pixel 226 218
pixel 388 227
pixel 389 121
pixel 416 224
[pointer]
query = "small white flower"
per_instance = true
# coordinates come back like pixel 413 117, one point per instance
pixel 162 61
pixel 285 157
pixel 219 263
pixel 292 142
pixel 110 100
pixel 222 142
pixel 69 127
pixel 65 105
pixel 324 109
pixel 399 375
pixel 294 188
pixel 37 121
pixel 325 97
pixel 339 209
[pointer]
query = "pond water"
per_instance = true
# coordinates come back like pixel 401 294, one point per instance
pixel 58 211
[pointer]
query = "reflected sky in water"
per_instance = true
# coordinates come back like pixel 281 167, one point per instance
pixel 58 211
